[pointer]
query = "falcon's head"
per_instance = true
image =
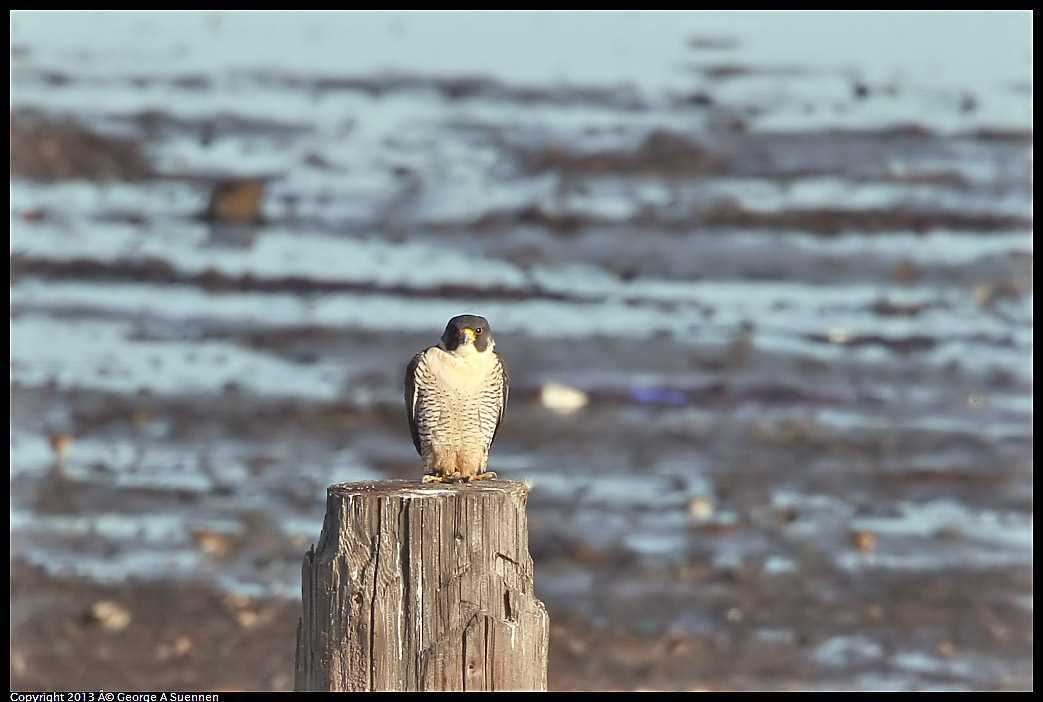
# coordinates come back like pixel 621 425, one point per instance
pixel 468 334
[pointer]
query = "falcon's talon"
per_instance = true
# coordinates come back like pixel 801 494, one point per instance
pixel 487 475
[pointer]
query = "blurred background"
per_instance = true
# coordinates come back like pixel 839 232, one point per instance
pixel 762 280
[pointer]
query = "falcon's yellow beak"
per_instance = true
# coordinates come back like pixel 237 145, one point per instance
pixel 469 333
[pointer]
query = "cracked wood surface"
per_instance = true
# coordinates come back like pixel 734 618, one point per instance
pixel 422 586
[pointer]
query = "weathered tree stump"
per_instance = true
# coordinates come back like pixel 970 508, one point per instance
pixel 422 586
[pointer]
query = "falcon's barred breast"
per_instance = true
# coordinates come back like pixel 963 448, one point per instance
pixel 455 396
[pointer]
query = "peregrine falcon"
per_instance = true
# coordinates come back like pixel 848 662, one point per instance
pixel 455 396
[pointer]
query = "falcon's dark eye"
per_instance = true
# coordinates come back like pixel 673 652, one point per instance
pixel 477 330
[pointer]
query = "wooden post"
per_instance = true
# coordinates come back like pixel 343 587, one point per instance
pixel 422 586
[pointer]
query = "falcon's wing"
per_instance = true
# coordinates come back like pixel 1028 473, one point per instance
pixel 412 395
pixel 504 383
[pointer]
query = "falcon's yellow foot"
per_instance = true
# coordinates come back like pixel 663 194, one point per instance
pixel 482 476
pixel 454 477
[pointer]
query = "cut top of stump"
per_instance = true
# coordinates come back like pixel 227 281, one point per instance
pixel 417 488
